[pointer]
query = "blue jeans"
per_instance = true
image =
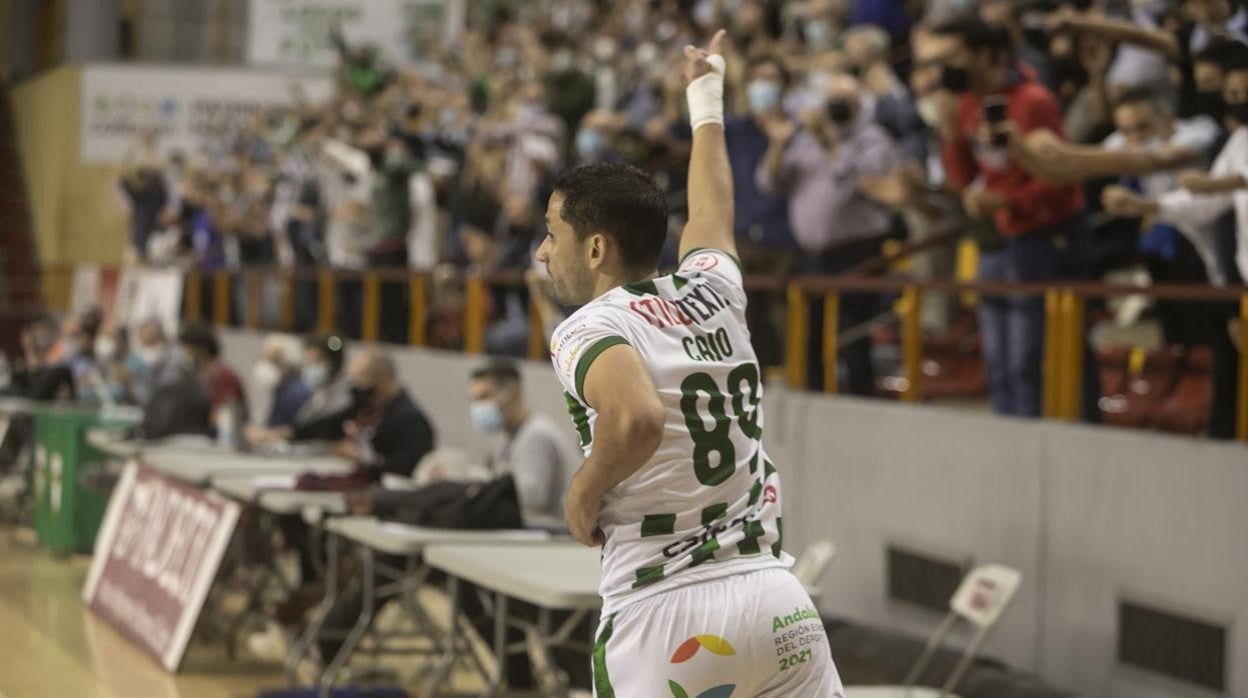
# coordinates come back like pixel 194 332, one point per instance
pixel 1012 327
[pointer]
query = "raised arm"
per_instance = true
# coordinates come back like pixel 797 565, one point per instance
pixel 1043 155
pixel 1117 31
pixel 710 176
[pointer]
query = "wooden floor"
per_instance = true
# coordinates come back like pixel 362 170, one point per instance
pixel 52 647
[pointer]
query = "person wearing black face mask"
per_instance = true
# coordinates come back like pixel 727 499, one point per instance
pixel 386 429
pixel 1043 222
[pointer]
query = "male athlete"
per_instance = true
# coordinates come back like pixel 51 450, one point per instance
pixel 664 390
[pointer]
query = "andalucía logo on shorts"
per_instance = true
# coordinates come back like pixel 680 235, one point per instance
pixel 688 649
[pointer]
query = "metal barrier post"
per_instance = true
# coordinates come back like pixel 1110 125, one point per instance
pixel 831 348
pixel 795 341
pixel 325 302
pixel 371 320
pixel 1051 375
pixel 221 298
pixel 1072 392
pixel 1241 412
pixel 194 297
pixel 251 300
pixel 474 314
pixel 911 344
pixel 416 310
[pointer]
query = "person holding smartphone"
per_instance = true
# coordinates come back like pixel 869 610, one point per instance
pixel 1047 238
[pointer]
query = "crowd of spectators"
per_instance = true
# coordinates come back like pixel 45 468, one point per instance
pixel 1067 138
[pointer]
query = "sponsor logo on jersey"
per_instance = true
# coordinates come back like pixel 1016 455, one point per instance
pixel 770 495
pixel 716 646
pixel 699 304
pixel 797 616
pixel 708 532
pixel 704 262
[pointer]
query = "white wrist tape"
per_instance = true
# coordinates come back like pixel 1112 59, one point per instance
pixel 706 95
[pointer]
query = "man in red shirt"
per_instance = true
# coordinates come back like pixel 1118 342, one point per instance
pixel 997 99
pixel 221 383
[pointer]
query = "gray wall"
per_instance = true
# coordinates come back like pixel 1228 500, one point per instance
pixel 1089 515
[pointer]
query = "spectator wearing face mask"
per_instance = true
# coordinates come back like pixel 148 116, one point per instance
pixel 867 57
pixel 1047 237
pixel 1205 21
pixel 157 364
pixel 277 375
pixel 117 366
pixel 818 168
pixel 526 444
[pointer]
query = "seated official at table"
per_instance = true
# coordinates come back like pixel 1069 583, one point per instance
pixel 527 444
pixel 277 374
pixel 323 416
pixel 387 430
pixel 221 383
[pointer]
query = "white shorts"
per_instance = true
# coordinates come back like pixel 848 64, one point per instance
pixel 753 634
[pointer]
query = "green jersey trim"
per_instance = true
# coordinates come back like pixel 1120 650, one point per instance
pixel 582 365
pixel 696 250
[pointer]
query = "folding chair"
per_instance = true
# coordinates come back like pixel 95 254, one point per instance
pixel 980 600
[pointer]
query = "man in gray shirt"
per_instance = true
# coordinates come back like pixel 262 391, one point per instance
pixel 528 445
pixel 837 226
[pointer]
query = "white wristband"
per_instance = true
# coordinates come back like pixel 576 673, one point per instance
pixel 706 95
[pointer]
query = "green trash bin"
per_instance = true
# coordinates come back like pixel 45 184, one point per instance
pixel 67 514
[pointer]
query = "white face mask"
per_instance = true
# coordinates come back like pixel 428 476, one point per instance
pixel 105 348
pixel 315 375
pixel 929 111
pixel 486 415
pixel 151 354
pixel 266 375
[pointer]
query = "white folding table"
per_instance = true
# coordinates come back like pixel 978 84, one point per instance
pixel 278 498
pixel 372 536
pixel 556 576
pixel 198 465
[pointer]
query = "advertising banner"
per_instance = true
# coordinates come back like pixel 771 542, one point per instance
pixel 155 558
pixel 297 32
pixel 188 108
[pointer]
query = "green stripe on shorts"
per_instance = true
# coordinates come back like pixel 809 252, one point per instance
pixel 602 681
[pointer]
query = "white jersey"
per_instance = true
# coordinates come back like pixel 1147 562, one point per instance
pixel 707 504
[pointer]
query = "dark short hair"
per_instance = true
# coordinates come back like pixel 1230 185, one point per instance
pixel 200 337
pixel 1219 50
pixel 1236 59
pixel 498 371
pixel 621 202
pixel 332 346
pixel 768 57
pixel 978 35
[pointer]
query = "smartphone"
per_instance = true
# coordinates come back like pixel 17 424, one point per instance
pixel 995 115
